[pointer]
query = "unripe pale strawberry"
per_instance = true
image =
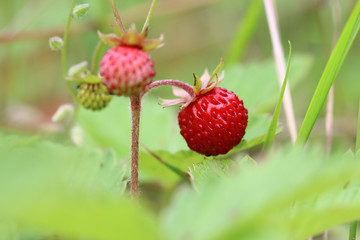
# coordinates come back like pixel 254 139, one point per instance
pixel 126 70
pixel 214 123
pixel 126 67
pixel 93 96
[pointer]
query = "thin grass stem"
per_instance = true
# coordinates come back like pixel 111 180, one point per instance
pixel 278 53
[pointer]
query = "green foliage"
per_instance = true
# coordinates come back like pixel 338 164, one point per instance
pixel 257 84
pixel 244 33
pixel 331 70
pixel 272 128
pixel 70 191
pixel 292 187
pixel 357 143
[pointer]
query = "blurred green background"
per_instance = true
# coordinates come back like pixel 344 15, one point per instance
pixel 45 183
pixel 197 34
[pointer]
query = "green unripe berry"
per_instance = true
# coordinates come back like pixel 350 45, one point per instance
pixel 93 96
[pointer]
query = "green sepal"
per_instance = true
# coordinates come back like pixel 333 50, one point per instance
pixel 197 84
pixel 77 69
pixel 110 39
pixel 118 32
pixel 93 79
pixel 132 37
pixel 217 69
pixel 152 44
pixel 75 79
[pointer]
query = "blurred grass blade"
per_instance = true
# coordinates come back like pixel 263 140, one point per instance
pixel 272 129
pixel 244 33
pixel 331 70
pixel 184 175
pixel 357 145
pixel 353 227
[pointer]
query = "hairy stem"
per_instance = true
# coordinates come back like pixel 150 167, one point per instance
pixel 117 16
pixel 63 51
pixel 170 82
pixel 135 117
pixel 146 24
pixel 135 103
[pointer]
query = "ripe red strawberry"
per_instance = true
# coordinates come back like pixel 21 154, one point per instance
pixel 126 70
pixel 126 67
pixel 212 120
pixel 214 123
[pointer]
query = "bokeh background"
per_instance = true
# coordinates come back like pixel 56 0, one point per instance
pixel 197 35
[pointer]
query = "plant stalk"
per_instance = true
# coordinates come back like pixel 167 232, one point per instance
pixel 146 24
pixel 352 233
pixel 117 16
pixel 63 52
pixel 170 82
pixel 135 104
pixel 96 57
pixel 278 52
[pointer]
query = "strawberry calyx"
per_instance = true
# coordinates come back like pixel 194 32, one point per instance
pixel 132 37
pixel 202 85
pixel 79 73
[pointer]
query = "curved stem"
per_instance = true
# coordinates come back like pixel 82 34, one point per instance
pixel 63 52
pixel 96 57
pixel 189 89
pixel 135 104
pixel 66 34
pixel 117 16
pixel 146 24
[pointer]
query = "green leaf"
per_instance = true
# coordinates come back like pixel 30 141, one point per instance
pixel 257 85
pixel 70 191
pixel 272 128
pixel 244 33
pixel 331 71
pixel 248 201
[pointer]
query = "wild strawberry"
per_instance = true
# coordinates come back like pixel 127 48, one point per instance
pixel 127 68
pixel 214 123
pixel 214 120
pixel 93 96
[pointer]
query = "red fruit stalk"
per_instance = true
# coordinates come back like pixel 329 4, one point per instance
pixel 127 70
pixel 214 123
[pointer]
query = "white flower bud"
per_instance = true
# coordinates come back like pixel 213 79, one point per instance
pixel 56 43
pixel 77 135
pixel 80 10
pixel 65 111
